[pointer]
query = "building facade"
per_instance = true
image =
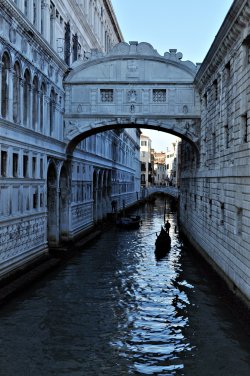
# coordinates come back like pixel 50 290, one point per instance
pixel 160 172
pixel 215 181
pixel 172 163
pixel 46 200
pixel 146 158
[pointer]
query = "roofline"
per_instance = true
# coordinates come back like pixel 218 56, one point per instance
pixel 111 13
pixel 226 35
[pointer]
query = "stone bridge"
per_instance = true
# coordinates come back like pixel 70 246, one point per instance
pixel 132 87
pixel 171 191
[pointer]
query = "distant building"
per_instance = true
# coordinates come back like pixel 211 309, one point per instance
pixel 160 172
pixel 171 163
pixel 146 161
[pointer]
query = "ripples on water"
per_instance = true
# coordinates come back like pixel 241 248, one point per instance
pixel 152 334
pixel 117 310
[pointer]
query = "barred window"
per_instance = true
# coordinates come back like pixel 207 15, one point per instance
pixel 159 95
pixel 107 95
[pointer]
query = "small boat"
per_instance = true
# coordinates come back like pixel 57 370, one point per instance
pixel 162 243
pixel 131 222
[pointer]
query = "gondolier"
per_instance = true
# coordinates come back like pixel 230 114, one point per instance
pixel 167 227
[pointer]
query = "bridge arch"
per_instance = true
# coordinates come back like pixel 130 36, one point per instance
pixel 131 87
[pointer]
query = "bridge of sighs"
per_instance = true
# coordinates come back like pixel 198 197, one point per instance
pixel 132 87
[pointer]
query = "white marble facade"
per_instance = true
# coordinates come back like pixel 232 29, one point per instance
pixel 45 198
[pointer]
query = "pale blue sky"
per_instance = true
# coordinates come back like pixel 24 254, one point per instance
pixel 186 25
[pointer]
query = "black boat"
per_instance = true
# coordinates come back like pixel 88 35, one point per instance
pixel 131 222
pixel 162 243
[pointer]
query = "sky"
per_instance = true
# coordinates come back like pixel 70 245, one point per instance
pixel 189 26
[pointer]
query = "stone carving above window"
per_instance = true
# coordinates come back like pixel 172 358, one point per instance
pixel 132 96
pixel 107 95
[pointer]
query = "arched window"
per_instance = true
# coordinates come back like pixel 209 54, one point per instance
pixel 5 87
pixel 42 96
pixel 16 92
pixel 52 108
pixel 26 7
pixel 35 103
pixel 26 98
pixel 34 12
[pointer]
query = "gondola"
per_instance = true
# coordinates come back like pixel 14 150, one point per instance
pixel 130 222
pixel 162 243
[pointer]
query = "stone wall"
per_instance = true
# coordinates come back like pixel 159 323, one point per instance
pixel 215 186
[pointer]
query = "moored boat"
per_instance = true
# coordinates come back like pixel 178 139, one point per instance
pixel 130 222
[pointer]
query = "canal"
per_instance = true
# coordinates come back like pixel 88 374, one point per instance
pixel 114 309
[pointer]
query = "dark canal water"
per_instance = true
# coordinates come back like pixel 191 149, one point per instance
pixel 115 310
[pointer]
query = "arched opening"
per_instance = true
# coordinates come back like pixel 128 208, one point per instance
pixel 5 85
pixel 35 103
pixel 52 108
pixel 16 92
pixel 52 206
pixel 42 104
pixel 64 205
pixel 26 99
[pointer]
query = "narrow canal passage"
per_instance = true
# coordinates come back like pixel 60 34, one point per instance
pixel 116 310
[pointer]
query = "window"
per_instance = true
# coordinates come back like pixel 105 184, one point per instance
pixel 226 129
pixel 35 200
pixel 107 95
pixel 205 100
pixel 26 7
pixel 41 168
pixel 34 12
pixel 16 93
pixel 239 213
pixel 33 167
pixel 5 87
pixel 159 95
pixel 35 103
pixel 26 98
pixel 25 166
pixel 215 89
pixel 67 51
pixel 15 165
pixel 244 128
pixel 228 71
pixel 75 47
pixel 222 207
pixel 42 96
pixel 246 45
pixel 3 163
pixel 143 143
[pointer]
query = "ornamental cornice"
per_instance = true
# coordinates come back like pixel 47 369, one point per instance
pixel 134 51
pixel 31 33
pixel 223 45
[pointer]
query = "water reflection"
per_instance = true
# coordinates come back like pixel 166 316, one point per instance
pixel 152 335
pixel 117 310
